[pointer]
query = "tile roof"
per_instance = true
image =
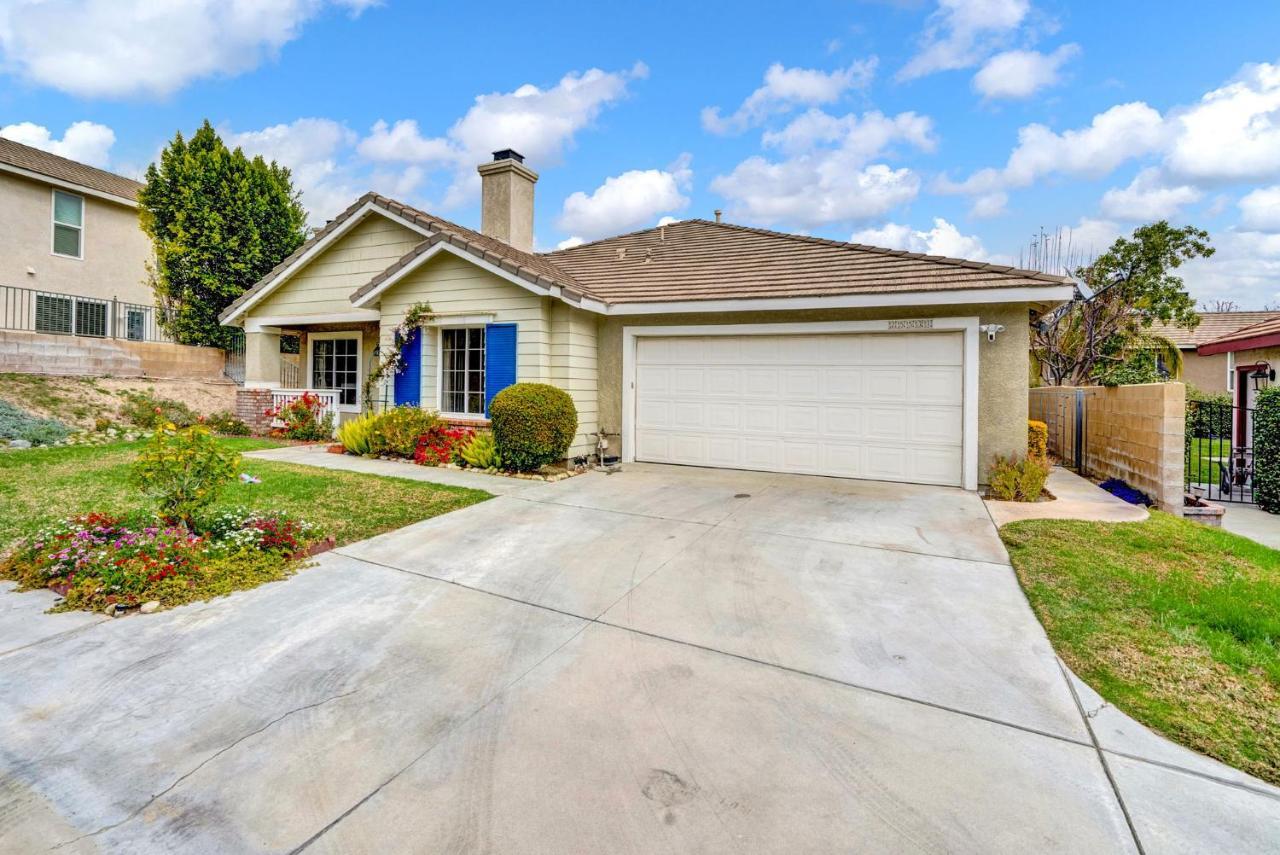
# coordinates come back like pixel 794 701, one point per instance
pixel 704 260
pixel 688 260
pixel 1246 335
pixel 51 165
pixel 1213 325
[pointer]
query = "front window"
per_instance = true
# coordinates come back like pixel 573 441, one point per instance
pixel 462 371
pixel 335 364
pixel 68 224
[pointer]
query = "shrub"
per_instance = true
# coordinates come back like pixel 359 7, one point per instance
pixel 226 422
pixel 301 419
pixel 1037 441
pixel 1208 414
pixel 396 432
pixel 356 434
pixel 1266 450
pixel 440 445
pixel 1014 480
pixel 19 424
pixel 533 425
pixel 145 410
pixel 183 471
pixel 481 452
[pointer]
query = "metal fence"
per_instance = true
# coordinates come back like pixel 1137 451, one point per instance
pixel 53 313
pixel 1219 462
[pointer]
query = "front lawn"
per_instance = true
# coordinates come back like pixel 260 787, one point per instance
pixel 1176 624
pixel 42 485
pixel 118 553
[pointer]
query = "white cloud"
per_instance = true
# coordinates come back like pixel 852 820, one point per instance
pixel 786 88
pixel 1148 197
pixel 1246 269
pixel 316 152
pixel 86 142
pixel 1260 209
pixel 628 201
pixel 571 242
pixel 990 205
pixel 1022 73
pixel 1122 133
pixel 121 48
pixel 1232 133
pixel 961 33
pixel 827 175
pixel 943 239
pixel 539 123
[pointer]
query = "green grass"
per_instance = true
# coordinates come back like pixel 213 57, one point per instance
pixel 42 485
pixel 1174 623
pixel 1202 470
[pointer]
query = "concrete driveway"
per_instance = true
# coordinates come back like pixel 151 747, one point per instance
pixel 660 660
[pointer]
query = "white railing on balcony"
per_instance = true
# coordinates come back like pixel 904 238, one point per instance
pixel 327 397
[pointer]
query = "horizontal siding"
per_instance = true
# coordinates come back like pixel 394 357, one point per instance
pixel 326 284
pixel 573 368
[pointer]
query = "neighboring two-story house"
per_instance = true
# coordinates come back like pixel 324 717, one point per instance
pixel 72 255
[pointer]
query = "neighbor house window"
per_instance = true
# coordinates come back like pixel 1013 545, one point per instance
pixel 58 314
pixel 462 371
pixel 335 364
pixel 68 224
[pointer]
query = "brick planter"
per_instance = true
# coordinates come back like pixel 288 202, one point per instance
pixel 251 408
pixel 1205 513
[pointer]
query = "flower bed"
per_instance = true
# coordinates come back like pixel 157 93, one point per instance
pixel 98 561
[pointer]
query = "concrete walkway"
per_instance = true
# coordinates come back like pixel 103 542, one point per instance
pixel 1248 521
pixel 1077 499
pixel 660 660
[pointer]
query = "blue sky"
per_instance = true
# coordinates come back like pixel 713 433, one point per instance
pixel 960 127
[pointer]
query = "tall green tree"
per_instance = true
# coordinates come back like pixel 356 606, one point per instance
pixel 218 222
pixel 1108 337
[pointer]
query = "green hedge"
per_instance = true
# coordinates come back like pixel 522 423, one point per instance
pixel 533 425
pixel 1266 450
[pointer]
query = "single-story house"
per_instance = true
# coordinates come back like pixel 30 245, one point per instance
pixel 1210 371
pixel 698 342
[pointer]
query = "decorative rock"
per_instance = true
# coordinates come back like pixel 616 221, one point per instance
pixel 19 443
pixel 110 611
pixel 149 607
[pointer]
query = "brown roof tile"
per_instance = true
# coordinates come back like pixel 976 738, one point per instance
pixel 51 165
pixel 703 260
pixel 1213 326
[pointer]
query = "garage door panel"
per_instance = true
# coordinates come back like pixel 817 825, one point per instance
pixel 887 406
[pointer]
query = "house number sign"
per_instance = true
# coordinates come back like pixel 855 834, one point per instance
pixel 916 324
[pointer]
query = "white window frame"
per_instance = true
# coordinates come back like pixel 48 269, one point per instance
pixel 968 326
pixel 312 338
pixel 440 372
pixel 53 223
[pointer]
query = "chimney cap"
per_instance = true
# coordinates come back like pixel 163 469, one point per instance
pixel 508 154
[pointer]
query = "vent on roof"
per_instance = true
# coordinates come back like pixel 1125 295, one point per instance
pixel 509 154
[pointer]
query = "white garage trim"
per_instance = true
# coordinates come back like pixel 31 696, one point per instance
pixel 968 326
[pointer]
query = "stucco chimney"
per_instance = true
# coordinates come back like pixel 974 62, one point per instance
pixel 506 199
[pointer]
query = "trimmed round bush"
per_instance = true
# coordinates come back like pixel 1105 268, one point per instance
pixel 533 425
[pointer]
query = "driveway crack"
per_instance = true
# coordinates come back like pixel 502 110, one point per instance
pixel 205 762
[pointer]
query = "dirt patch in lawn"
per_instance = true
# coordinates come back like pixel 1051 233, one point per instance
pixel 79 401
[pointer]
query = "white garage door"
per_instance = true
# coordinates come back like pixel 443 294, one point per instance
pixel 887 406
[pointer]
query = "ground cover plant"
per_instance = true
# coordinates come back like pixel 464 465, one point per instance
pixel 1175 623
pixel 17 424
pixel 45 490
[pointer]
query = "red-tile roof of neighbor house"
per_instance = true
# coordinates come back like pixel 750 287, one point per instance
pixel 688 260
pixel 1213 325
pixel 704 260
pixel 35 160
pixel 1264 334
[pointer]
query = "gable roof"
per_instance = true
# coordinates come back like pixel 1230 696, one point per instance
pixel 704 260
pixel 27 159
pixel 1263 334
pixel 691 261
pixel 1213 325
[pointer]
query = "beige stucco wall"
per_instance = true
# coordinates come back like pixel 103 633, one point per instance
pixel 1002 364
pixel 325 285
pixel 115 248
pixel 555 343
pixel 1206 373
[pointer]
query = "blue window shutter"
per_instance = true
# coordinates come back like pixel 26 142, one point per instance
pixel 499 360
pixel 408 382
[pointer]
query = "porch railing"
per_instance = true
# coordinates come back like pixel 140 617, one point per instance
pixel 328 401
pixel 54 313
